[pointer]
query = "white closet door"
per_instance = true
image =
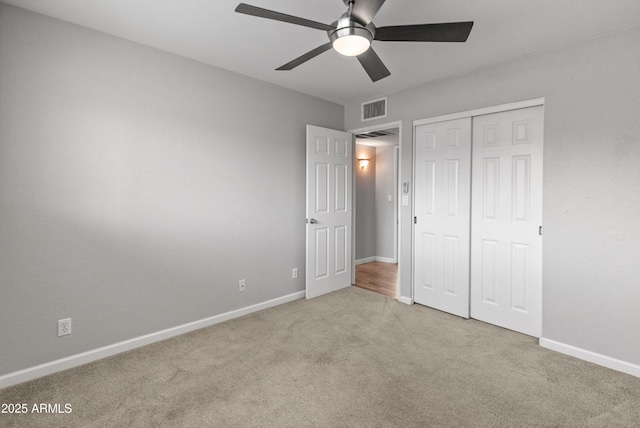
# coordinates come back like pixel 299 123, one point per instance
pixel 442 202
pixel 506 246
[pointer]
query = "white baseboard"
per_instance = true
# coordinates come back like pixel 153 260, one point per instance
pixel 405 300
pixel 109 350
pixel 375 259
pixel 365 260
pixel 592 357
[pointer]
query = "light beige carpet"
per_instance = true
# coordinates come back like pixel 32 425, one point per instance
pixel 349 359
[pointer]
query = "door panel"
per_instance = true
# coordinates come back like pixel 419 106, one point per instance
pixel 322 188
pixel 329 187
pixel 506 249
pixel 442 204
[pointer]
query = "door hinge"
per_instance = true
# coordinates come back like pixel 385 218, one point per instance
pixel 415 220
pixel 540 230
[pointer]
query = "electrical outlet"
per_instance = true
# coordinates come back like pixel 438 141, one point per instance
pixel 242 285
pixel 64 327
pixel 294 273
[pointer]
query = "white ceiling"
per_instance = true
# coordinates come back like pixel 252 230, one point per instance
pixel 211 32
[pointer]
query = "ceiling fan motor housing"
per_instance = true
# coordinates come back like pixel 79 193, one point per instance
pixel 346 27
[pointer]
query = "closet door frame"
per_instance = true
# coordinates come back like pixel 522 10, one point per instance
pixel 452 116
pixel 481 111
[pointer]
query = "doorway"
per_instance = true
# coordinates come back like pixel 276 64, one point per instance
pixel 376 178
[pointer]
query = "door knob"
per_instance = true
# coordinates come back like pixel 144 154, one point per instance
pixel 313 221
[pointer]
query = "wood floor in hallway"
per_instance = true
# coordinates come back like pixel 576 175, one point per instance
pixel 378 277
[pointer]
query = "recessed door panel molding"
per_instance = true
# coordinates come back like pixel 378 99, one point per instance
pixel 322 252
pixel 491 135
pixel 452 138
pixel 451 187
pixel 490 188
pixel 425 142
pixel 427 260
pixel 519 276
pixel 521 188
pixel 451 267
pixel 429 180
pixel 322 188
pixel 341 148
pixel 322 146
pixel 506 248
pixel 329 211
pixel 341 252
pixel 442 162
pixel 489 274
pixel 521 132
pixel 341 192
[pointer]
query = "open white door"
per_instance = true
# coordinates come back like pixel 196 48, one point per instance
pixel 329 186
pixel 442 200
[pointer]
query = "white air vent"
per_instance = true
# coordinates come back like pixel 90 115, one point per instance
pixel 375 109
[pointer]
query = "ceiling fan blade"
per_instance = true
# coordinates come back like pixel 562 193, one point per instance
pixel 364 10
pixel 277 16
pixel 304 58
pixel 445 32
pixel 373 65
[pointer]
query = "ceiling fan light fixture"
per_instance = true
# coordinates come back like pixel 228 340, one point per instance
pixel 350 38
pixel 351 45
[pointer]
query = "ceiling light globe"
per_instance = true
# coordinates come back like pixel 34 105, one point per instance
pixel 350 38
pixel 351 45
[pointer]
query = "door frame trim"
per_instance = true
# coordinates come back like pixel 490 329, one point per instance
pixel 387 125
pixel 481 111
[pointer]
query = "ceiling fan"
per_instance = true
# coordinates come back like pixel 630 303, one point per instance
pixel 352 34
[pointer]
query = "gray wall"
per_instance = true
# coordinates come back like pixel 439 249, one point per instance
pixel 137 188
pixel 591 239
pixel 385 185
pixel 365 203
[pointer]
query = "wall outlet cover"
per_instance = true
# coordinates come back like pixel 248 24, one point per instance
pixel 64 327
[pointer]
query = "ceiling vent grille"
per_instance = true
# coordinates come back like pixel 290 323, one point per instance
pixel 375 109
pixel 374 134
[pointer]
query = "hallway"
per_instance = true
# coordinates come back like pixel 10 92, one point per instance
pixel 379 277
